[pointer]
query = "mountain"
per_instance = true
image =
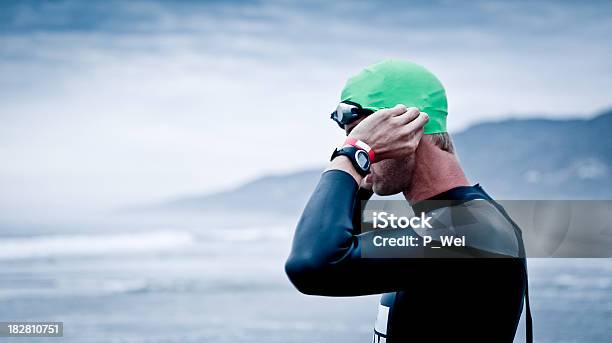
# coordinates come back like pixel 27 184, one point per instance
pixel 540 158
pixel 272 193
pixel 511 159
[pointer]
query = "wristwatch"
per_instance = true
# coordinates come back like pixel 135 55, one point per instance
pixel 358 157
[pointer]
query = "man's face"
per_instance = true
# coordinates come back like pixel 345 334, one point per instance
pixel 389 176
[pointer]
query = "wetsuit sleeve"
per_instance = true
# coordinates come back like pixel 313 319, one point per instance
pixel 362 196
pixel 326 254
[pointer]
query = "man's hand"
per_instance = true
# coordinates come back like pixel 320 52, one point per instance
pixel 393 132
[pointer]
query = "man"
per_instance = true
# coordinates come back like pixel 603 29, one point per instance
pixel 394 114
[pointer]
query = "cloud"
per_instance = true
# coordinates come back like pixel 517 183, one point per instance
pixel 111 103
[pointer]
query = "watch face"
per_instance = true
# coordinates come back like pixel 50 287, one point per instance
pixel 362 159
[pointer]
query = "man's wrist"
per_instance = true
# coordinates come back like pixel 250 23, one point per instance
pixel 360 144
pixel 344 163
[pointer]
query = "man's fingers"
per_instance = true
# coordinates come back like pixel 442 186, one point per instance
pixel 398 110
pixel 393 111
pixel 418 122
pixel 411 114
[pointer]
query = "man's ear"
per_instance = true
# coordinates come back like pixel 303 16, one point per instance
pixel 426 147
pixel 425 140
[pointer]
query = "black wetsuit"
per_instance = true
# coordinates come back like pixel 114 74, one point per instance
pixel 426 299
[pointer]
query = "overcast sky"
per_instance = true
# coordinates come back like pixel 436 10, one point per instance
pixel 105 104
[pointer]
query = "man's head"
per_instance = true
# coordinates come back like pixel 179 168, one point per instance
pixel 384 85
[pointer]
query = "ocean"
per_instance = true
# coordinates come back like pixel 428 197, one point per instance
pixel 227 284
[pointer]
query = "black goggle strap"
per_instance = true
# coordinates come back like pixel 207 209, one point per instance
pixel 360 111
pixel 348 117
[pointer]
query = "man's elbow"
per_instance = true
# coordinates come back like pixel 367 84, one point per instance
pixel 306 275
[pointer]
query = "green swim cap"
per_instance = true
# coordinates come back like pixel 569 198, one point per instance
pixel 391 82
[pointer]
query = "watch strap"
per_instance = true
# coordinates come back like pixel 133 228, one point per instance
pixel 360 145
pixel 350 152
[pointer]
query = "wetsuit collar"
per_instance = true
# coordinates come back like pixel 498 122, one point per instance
pixel 451 197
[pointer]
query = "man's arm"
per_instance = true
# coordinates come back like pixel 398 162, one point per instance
pixel 326 254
